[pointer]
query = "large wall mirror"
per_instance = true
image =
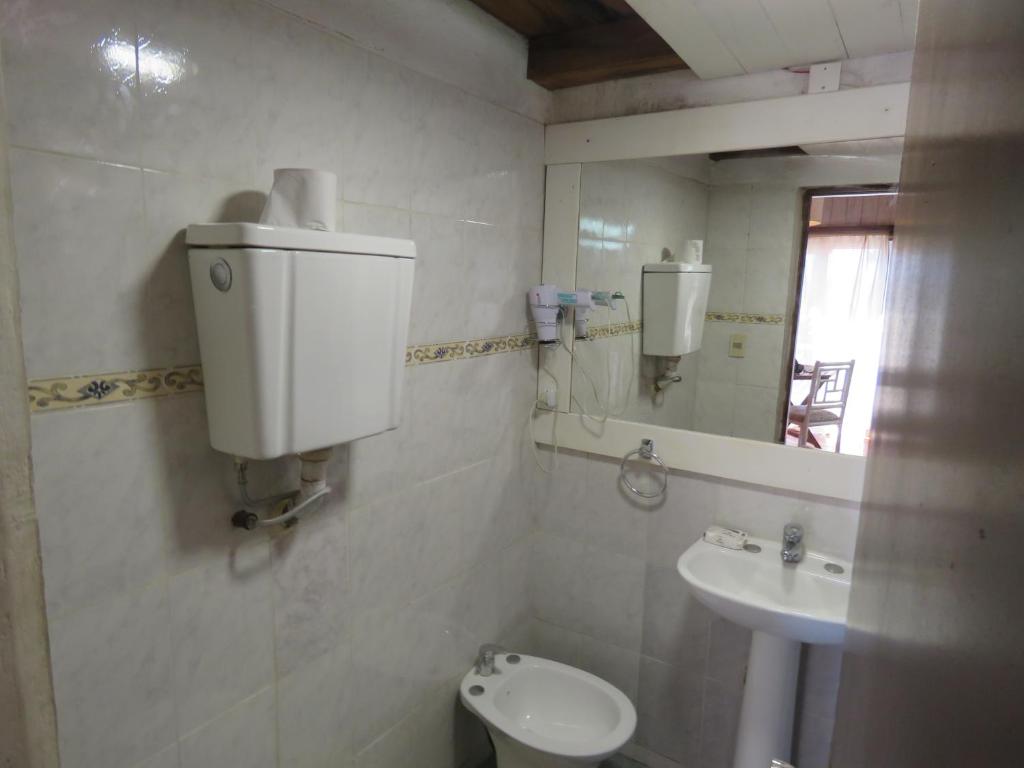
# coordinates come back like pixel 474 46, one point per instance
pixel 751 285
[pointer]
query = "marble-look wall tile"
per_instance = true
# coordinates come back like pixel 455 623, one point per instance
pixel 399 658
pixel 719 724
pixel 756 413
pixel 556 643
pixel 69 78
pixel 728 651
pixel 675 625
pixel 456 43
pixel 427 732
pixel 437 313
pixel 378 149
pixel 669 708
pixel 753 245
pixel 244 735
pixel 618 666
pixel 169 757
pixel 77 224
pixel 99 500
pixel 113 679
pixel 178 640
pixel 315 704
pixel 311 587
pixel 222 631
pixel 204 121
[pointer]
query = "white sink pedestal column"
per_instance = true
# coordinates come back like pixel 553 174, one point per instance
pixel 769 701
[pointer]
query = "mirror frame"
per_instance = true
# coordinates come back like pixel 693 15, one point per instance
pixel 852 115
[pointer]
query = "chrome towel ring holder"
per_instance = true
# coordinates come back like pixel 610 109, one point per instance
pixel 645 451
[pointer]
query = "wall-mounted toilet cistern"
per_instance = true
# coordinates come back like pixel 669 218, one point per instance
pixel 792 543
pixel 290 365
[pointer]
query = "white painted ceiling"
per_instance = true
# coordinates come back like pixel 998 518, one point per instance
pixel 719 38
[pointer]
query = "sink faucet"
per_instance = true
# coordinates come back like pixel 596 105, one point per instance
pixel 485 659
pixel 792 543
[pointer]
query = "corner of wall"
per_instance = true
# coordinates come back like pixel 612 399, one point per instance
pixel 29 733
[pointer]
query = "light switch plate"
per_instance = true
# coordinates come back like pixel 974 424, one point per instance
pixel 738 345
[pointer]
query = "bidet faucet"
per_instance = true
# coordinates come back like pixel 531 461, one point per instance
pixel 485 659
pixel 792 543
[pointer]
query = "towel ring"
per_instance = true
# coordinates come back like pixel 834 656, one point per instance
pixel 645 451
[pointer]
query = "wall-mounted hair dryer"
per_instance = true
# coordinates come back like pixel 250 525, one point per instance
pixel 587 301
pixel 546 301
pixel 545 306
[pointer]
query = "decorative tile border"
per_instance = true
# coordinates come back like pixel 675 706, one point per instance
pixel 743 317
pixel 94 389
pixel 460 350
pixel 57 394
pixel 620 329
pixel 614 329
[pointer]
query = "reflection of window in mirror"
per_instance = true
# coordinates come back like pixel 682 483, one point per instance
pixel 733 227
pixel 834 351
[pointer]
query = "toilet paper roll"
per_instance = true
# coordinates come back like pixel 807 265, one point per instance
pixel 302 197
pixel 693 252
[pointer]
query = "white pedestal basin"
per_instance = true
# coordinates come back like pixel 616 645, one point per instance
pixel 785 604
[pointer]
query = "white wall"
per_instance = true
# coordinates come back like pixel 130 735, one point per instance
pixel 683 89
pixel 177 640
pixel 630 212
pixel 608 598
pixel 752 246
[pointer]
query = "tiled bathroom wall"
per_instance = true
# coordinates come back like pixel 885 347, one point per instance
pixel 176 640
pixel 755 216
pixel 753 243
pixel 607 597
pixel 634 213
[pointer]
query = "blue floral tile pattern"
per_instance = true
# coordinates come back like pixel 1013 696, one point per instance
pixel 57 394
pixel 99 389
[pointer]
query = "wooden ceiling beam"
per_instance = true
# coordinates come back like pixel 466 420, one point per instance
pixel 624 48
pixel 534 18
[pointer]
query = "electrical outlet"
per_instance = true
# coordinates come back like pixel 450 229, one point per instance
pixel 738 345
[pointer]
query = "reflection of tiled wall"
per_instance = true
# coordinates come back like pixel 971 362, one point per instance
pixel 753 239
pixel 608 597
pixel 629 213
pixel 175 639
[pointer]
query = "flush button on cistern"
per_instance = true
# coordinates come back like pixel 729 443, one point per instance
pixel 220 275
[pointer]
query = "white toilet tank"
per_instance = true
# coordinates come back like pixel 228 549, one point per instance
pixel 675 300
pixel 302 334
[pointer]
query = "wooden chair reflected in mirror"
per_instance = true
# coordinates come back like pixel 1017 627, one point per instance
pixel 824 406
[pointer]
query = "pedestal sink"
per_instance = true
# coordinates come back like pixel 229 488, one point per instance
pixel 785 604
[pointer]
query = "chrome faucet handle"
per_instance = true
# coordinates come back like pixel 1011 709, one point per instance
pixel 485 659
pixel 780 764
pixel 793 533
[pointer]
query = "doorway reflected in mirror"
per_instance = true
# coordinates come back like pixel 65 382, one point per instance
pixel 743 221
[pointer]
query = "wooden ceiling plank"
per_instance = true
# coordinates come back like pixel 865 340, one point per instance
pixel 744 27
pixel 808 29
pixel 691 35
pixel 618 8
pixel 869 27
pixel 533 18
pixel 623 48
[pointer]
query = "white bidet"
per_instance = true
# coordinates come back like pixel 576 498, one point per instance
pixel 542 714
